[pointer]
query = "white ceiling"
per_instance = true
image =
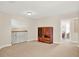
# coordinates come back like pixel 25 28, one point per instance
pixel 39 8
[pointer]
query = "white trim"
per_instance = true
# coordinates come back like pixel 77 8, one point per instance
pixel 29 40
pixel 58 42
pixel 5 46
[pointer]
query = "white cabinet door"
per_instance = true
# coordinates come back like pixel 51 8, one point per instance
pixel 18 37
pixel 13 37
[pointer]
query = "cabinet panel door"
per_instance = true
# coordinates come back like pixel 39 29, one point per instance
pixel 18 37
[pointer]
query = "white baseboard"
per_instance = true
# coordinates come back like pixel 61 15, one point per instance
pixel 31 40
pixel 5 46
pixel 58 42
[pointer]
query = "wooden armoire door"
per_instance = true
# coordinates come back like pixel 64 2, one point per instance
pixel 45 34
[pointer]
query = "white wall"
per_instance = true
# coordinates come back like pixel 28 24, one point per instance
pixel 22 23
pixel 4 31
pixel 19 22
pixel 51 22
pixel 25 23
pixel 32 30
pixel 31 25
pixel 6 27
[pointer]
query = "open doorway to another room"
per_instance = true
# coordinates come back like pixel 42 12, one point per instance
pixel 65 30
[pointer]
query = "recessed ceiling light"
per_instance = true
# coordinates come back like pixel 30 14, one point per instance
pixel 29 13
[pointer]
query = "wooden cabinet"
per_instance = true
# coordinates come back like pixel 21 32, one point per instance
pixel 45 34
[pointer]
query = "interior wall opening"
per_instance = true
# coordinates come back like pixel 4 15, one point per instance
pixel 65 30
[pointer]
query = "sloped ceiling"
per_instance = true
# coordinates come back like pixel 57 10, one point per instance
pixel 40 8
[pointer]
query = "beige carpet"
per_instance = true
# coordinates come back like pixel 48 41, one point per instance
pixel 38 49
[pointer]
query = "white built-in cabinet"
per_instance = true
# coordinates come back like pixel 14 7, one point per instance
pixel 18 36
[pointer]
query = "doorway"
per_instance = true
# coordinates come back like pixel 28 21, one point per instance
pixel 65 30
